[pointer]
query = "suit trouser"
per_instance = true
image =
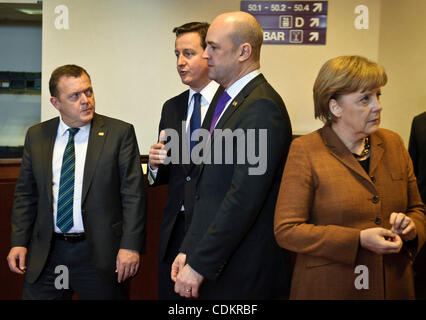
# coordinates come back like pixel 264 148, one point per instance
pixel 74 273
pixel 420 274
pixel 166 287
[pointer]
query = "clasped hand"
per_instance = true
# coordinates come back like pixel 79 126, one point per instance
pixel 187 280
pixel 384 241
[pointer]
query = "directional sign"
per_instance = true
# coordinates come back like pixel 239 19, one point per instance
pixel 290 22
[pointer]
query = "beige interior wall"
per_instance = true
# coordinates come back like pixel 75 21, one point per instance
pixel 402 52
pixel 127 47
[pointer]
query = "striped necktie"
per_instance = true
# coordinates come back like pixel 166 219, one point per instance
pixel 64 219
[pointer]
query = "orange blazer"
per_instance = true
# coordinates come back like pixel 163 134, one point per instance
pixel 325 200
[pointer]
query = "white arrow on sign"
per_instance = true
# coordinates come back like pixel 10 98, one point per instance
pixel 314 36
pixel 315 22
pixel 317 7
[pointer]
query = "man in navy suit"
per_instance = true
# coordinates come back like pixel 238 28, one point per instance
pixel 229 250
pixel 190 108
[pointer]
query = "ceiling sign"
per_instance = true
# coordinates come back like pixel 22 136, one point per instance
pixel 290 22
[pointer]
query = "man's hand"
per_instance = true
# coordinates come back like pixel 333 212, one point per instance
pixel 16 260
pixel 403 225
pixel 380 240
pixel 188 282
pixel 177 266
pixel 157 153
pixel 127 264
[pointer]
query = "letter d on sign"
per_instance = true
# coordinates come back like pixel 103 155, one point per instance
pixel 62 281
pixel 362 281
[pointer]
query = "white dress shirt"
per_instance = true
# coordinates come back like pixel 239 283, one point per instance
pixel 207 94
pixel 80 145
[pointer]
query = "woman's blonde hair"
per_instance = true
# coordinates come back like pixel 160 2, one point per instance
pixel 344 75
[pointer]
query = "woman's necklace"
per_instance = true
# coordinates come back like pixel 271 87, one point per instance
pixel 365 152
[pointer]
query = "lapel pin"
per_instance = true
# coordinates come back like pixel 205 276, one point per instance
pixel 100 134
pixel 234 103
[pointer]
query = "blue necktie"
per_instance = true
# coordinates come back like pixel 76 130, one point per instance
pixel 195 122
pixel 64 219
pixel 221 103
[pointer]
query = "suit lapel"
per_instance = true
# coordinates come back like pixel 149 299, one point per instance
pixel 208 120
pixel 233 106
pixel 377 152
pixel 238 100
pixel 341 152
pixel 47 149
pixel 95 145
pixel 182 105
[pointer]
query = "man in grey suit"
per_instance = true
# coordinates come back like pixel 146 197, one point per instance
pixel 229 250
pixel 79 208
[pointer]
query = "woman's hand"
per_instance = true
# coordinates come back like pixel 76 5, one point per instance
pixel 403 225
pixel 380 240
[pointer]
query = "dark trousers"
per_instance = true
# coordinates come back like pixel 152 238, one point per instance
pixel 70 264
pixel 420 274
pixel 166 287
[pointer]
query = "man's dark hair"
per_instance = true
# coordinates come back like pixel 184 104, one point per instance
pixel 69 70
pixel 198 27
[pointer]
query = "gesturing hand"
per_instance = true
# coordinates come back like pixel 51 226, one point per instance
pixel 157 153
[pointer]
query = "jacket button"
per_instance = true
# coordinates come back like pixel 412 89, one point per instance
pixel 373 179
pixel 375 199
pixel 188 178
pixel 197 197
pixel 378 221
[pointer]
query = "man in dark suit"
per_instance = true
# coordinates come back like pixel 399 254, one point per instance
pixel 229 251
pixel 417 149
pixel 78 222
pixel 180 176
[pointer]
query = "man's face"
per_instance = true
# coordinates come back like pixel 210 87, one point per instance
pixel 222 56
pixel 191 67
pixel 75 101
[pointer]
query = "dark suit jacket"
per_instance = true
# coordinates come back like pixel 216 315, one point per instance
pixel 230 240
pixel 180 177
pixel 326 199
pixel 113 196
pixel 417 149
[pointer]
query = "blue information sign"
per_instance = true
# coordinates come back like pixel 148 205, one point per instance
pixel 290 22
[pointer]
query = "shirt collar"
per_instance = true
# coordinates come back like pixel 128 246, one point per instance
pixel 238 85
pixel 63 127
pixel 207 92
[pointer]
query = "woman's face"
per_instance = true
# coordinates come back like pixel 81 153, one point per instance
pixel 358 113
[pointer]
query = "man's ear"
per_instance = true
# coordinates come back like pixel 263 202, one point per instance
pixel 245 51
pixel 335 108
pixel 55 102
